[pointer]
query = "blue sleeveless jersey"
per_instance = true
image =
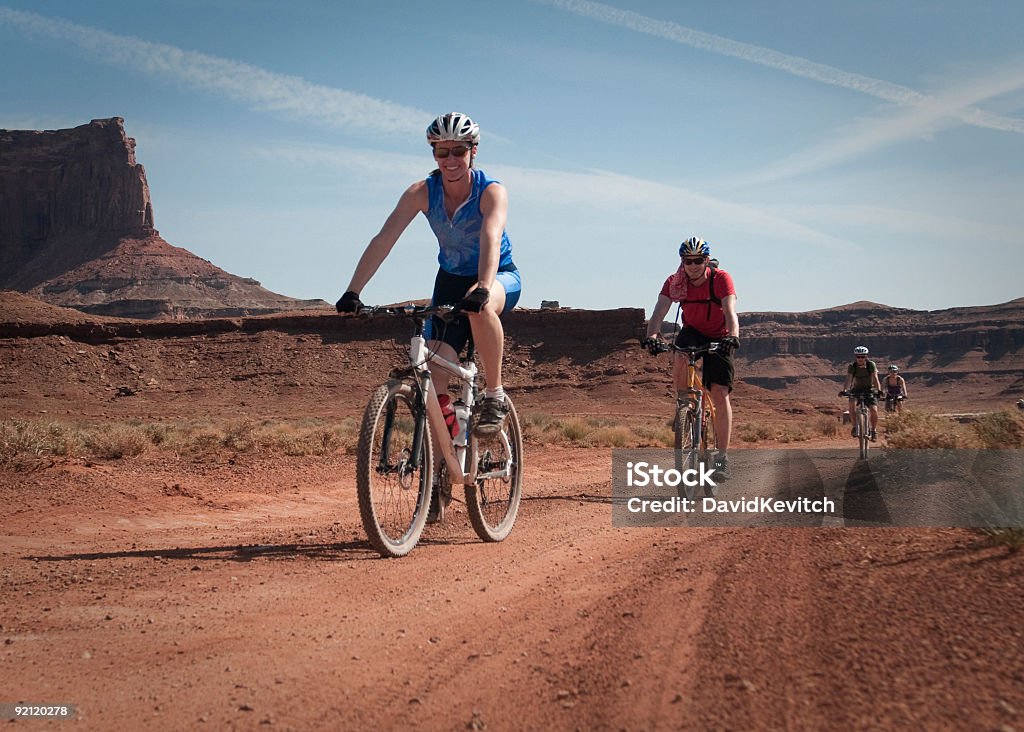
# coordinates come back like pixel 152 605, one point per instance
pixel 459 238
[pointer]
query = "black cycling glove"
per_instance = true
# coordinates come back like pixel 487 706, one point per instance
pixel 475 301
pixel 653 345
pixel 730 343
pixel 349 303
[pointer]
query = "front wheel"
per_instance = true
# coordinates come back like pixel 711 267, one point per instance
pixel 864 430
pixel 392 474
pixel 493 501
pixel 687 447
pixel 709 447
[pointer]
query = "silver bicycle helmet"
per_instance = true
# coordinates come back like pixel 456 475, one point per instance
pixel 454 126
pixel 860 351
pixel 694 247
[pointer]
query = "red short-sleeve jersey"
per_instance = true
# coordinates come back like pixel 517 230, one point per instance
pixel 696 313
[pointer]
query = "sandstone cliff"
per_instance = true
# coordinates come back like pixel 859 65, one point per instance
pixel 76 230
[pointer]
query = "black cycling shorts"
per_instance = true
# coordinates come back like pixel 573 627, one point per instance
pixel 718 368
pixel 449 289
pixel 866 395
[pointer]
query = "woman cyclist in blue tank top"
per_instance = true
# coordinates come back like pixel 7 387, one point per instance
pixel 467 211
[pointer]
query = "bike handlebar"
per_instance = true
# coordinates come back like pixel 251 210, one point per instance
pixel 409 311
pixel 664 347
pixel 857 393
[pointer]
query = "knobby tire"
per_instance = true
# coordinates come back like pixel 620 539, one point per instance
pixel 687 447
pixel 709 446
pixel 862 422
pixel 393 498
pixel 493 503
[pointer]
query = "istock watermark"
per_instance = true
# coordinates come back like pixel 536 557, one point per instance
pixel 642 474
pixel 831 487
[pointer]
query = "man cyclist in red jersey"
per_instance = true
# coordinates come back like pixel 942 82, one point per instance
pixel 708 299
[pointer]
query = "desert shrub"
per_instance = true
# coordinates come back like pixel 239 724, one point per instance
pixel 611 436
pixel 22 438
pixel 795 433
pixel 921 430
pixel 116 441
pixel 574 430
pixel 1000 429
pixel 241 436
pixel 828 426
pixel 654 436
pixel 199 443
pixel 754 432
pixel 159 433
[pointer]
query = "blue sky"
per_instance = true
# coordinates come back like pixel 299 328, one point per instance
pixel 829 152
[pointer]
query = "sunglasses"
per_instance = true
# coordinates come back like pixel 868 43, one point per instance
pixel 458 151
pixel 860 358
pixel 693 260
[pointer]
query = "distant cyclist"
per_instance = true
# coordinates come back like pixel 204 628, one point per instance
pixel 466 210
pixel 708 299
pixel 862 377
pixel 895 387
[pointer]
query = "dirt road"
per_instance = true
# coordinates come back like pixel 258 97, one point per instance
pixel 242 595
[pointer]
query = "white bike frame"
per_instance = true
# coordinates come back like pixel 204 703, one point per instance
pixel 460 473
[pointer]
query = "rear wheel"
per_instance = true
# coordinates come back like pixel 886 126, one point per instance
pixel 392 483
pixel 493 501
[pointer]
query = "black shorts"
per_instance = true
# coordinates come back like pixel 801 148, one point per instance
pixel 865 395
pixel 718 367
pixel 449 289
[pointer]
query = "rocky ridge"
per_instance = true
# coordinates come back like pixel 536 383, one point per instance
pixel 77 230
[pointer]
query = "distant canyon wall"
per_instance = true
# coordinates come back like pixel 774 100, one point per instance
pixel 76 230
pixel 67 196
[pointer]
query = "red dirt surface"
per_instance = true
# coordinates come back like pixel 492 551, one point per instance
pixel 237 591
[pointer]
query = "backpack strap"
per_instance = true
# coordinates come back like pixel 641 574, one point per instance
pixel 712 297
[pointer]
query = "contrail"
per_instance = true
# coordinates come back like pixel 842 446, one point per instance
pixel 290 96
pixel 795 65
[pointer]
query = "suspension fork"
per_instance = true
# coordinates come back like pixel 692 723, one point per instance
pixel 419 432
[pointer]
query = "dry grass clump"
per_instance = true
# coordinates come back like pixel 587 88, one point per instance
pixel 35 438
pixel 828 426
pixel 115 441
pixel 754 432
pixel 1002 429
pixel 915 430
pixel 22 440
pixel 544 428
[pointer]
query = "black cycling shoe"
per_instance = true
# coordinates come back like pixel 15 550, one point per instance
pixel 491 417
pixel 722 469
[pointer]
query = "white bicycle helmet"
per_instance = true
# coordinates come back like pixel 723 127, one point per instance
pixel 893 367
pixel 860 351
pixel 454 126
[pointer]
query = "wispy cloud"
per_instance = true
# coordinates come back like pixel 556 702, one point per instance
pixel 901 95
pixel 872 134
pixel 589 194
pixel 289 96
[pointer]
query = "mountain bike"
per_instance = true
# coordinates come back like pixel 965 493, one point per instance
pixel 861 419
pixel 694 423
pixel 403 422
pixel 893 402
